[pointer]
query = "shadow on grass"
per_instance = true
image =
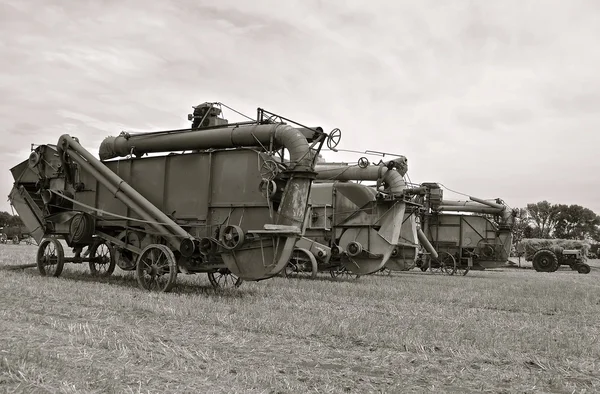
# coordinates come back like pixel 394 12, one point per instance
pixel 129 281
pixel 322 278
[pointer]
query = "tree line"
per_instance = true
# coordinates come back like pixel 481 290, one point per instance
pixel 6 219
pixel 546 220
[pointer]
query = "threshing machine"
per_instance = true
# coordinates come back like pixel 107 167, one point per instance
pixel 226 199
pixel 462 235
pixel 351 228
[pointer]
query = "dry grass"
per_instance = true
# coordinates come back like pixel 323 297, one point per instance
pixel 505 330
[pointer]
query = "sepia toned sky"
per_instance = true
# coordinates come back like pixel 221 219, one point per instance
pixel 490 98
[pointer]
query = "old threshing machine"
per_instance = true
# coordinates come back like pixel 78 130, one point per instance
pixel 462 235
pixel 351 228
pixel 214 203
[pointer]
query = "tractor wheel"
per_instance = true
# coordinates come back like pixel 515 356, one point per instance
pixel 583 269
pixel 50 257
pixel 545 261
pixel 16 240
pixel 103 259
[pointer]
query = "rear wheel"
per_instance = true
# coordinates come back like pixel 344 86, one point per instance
pixel 302 264
pixel 156 268
pixel 444 264
pixel 224 279
pixel 342 272
pixel 545 261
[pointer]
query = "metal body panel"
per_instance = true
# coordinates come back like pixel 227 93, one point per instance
pixel 343 214
pixel 408 249
pixel 465 234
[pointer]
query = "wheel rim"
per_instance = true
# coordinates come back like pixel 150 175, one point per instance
pixel 50 258
pixel 445 264
pixel 544 262
pixel 224 279
pixel 342 272
pixel 103 256
pixel 156 268
pixel 300 265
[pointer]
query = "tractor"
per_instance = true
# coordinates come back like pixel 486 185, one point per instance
pixel 550 259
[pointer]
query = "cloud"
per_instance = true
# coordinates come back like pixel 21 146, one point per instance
pixel 498 99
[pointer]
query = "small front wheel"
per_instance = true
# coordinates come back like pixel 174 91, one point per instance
pixel 102 259
pixel 224 279
pixel 156 268
pixel 50 258
pixel 302 264
pixel 584 269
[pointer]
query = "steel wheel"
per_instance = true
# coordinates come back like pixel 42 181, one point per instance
pixel 448 263
pixel 103 259
pixel 156 268
pixel 302 264
pixel 50 257
pixel 445 264
pixel 341 272
pixel 224 279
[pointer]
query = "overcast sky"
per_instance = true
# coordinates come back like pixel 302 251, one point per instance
pixel 489 98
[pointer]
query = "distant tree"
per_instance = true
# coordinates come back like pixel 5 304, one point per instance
pixel 15 220
pixel 544 217
pixel 5 218
pixel 577 222
pixel 531 232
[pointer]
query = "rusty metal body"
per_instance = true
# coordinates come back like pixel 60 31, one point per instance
pixel 475 234
pixel 215 205
pixel 353 228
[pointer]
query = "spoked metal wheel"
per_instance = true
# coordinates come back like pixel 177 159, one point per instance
pixel 50 257
pixel 341 272
pixel 445 264
pixel 302 264
pixel 156 268
pixel 103 260
pixel 224 279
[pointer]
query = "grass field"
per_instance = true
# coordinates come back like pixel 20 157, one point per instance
pixel 505 330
